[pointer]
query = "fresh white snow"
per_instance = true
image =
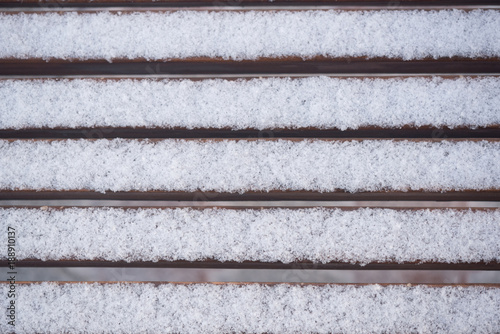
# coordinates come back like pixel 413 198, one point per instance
pixel 406 34
pixel 269 103
pixel 249 165
pixel 252 308
pixel 266 235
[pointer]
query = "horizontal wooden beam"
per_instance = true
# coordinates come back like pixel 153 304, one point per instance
pixel 373 132
pixel 256 207
pixel 158 283
pixel 206 66
pixel 200 196
pixel 163 307
pixel 243 3
pixel 213 264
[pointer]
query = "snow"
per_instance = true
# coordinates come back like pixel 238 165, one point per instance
pixel 249 165
pixel 253 308
pixel 269 103
pixel 405 34
pixel 319 235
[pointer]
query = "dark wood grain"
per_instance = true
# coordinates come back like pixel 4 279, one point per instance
pixel 213 264
pixel 243 3
pixel 206 66
pixel 207 196
pixel 373 132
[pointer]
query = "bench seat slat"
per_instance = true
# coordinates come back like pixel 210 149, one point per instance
pixel 327 236
pixel 253 34
pixel 239 166
pixel 214 264
pixel 284 308
pixel 210 196
pixel 58 4
pixel 203 67
pixel 155 133
pixel 313 103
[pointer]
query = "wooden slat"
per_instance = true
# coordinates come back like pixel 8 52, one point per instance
pixel 259 207
pixel 327 139
pixel 272 195
pixel 406 131
pixel 214 264
pixel 256 307
pixel 119 10
pixel 244 3
pixel 368 132
pixel 217 264
pixel 206 66
pixel 208 196
pixel 158 283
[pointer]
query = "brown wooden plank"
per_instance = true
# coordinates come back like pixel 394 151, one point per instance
pixel 116 10
pixel 217 139
pixel 272 195
pixel 256 207
pixel 141 132
pixel 157 283
pixel 208 196
pixel 214 264
pixel 206 66
pixel 281 307
pixel 244 3
pixel 248 77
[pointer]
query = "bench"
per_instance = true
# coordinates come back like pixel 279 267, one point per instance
pixel 301 142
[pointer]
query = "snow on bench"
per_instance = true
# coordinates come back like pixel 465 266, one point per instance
pixel 319 102
pixel 251 34
pixel 285 235
pixel 254 308
pixel 239 43
pixel 237 166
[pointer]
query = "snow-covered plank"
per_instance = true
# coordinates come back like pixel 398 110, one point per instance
pixel 399 34
pixel 278 235
pixel 253 308
pixel 238 166
pixel 269 103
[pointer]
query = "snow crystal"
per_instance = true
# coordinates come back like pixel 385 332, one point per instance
pixel 320 102
pixel 249 165
pixel 267 235
pixel 406 34
pixel 253 308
